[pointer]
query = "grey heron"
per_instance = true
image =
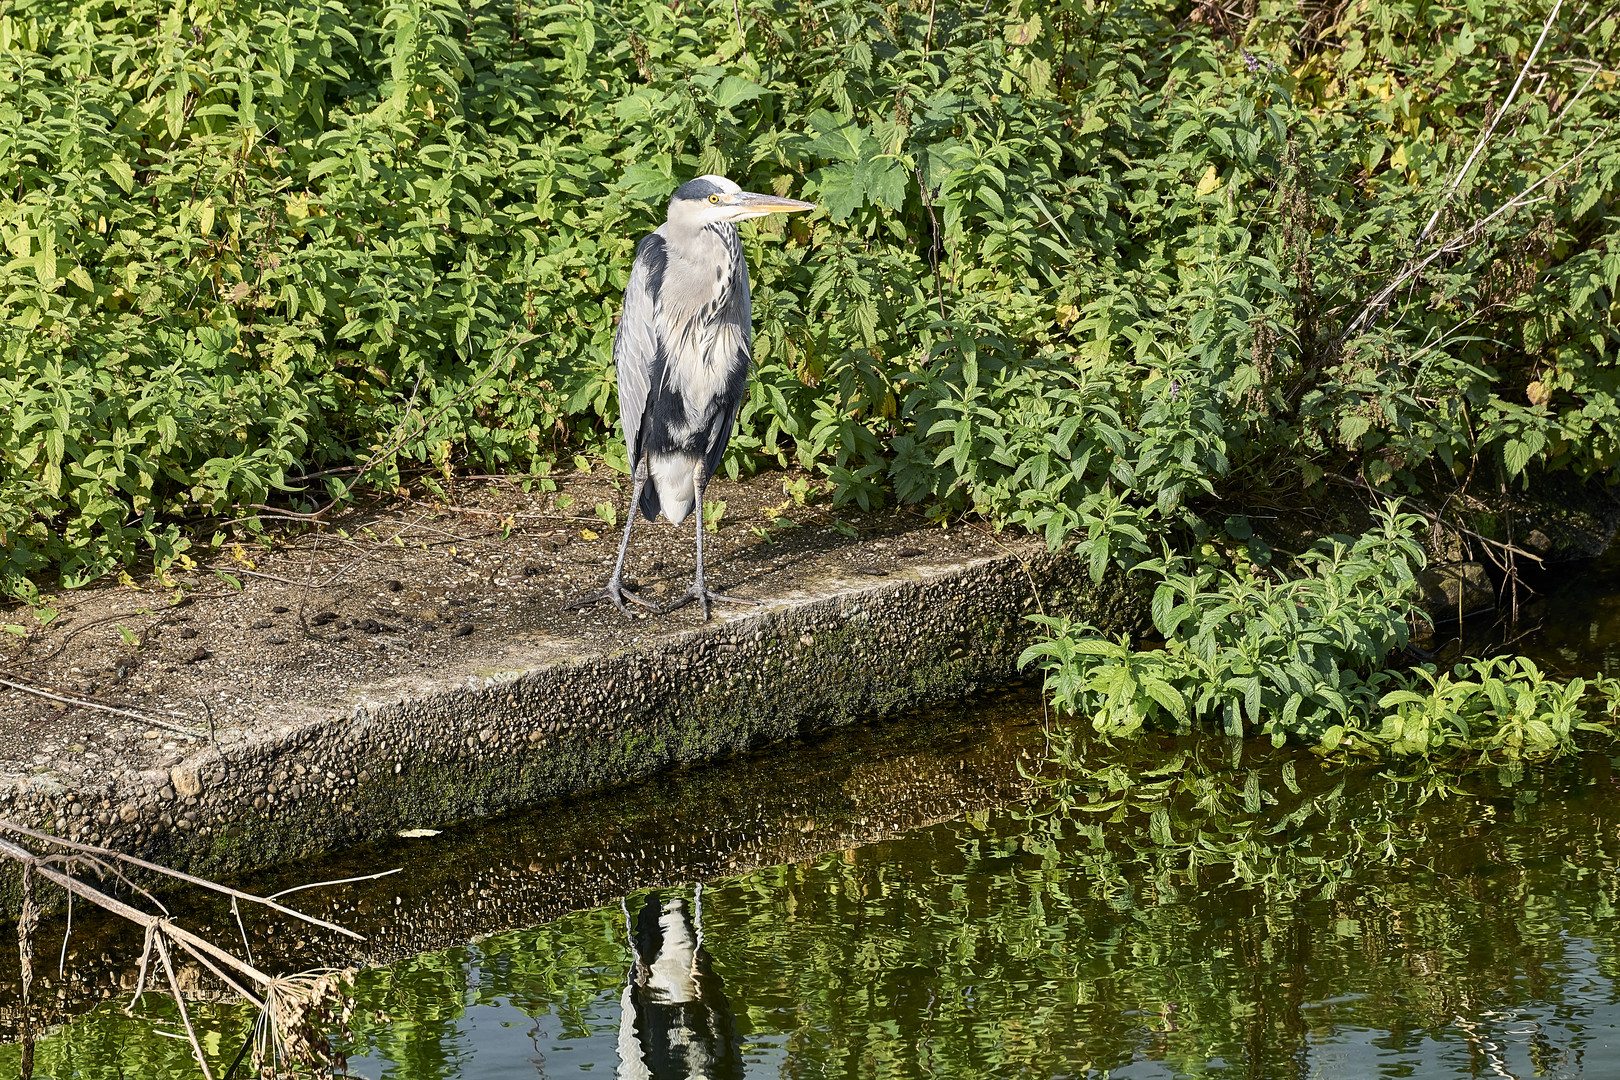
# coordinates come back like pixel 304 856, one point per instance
pixel 681 352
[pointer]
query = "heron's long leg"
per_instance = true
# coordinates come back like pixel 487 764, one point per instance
pixel 700 590
pixel 615 590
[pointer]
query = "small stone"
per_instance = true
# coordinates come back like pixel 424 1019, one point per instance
pixel 188 633
pixel 324 617
pixel 464 629
pixel 151 733
pixel 909 553
pixel 276 639
pixel 1455 589
pixel 197 656
pixel 395 586
pixel 185 780
pixel 261 624
pixel 280 610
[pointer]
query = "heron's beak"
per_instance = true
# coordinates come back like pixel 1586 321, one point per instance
pixel 750 204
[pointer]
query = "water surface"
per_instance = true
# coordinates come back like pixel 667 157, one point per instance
pixel 897 902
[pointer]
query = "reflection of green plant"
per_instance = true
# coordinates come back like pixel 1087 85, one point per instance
pixel 1272 899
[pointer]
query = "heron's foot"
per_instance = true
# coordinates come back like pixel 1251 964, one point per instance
pixel 706 596
pixel 615 592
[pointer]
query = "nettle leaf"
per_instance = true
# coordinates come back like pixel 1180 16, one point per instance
pixel 735 90
pixel 884 180
pixel 840 190
pixel 837 138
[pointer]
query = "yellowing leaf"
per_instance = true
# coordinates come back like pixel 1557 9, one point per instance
pixel 120 172
pixel 80 277
pixel 1211 181
pixel 1024 33
pixel 1397 160
pixel 586 534
pixel 205 220
pixel 45 261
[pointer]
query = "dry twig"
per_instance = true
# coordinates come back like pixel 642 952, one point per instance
pixel 87 703
pixel 293 1009
pixel 1485 136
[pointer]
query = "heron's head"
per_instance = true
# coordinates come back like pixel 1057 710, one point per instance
pixel 711 199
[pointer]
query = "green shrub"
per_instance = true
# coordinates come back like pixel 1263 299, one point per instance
pixel 1077 260
pixel 1305 654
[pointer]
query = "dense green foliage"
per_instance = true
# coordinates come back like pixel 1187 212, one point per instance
pixel 1303 654
pixel 252 241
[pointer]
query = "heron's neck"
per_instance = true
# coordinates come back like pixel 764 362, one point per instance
pixel 685 234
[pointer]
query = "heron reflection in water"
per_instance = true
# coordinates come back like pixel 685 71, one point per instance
pixel 676 1022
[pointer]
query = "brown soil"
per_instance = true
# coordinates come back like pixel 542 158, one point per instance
pixel 313 615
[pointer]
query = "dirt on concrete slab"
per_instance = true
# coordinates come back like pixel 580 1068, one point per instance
pixel 411 587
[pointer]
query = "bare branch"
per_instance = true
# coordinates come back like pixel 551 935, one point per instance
pixel 1458 242
pixel 180 1000
pixel 292 1002
pixel 164 870
pixel 88 704
pixel 335 881
pixel 1485 135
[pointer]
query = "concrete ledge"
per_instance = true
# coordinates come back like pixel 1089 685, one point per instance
pixel 538 725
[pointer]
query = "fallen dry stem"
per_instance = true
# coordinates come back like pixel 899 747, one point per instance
pixel 1459 242
pixel 282 1001
pixel 144 718
pixel 1485 136
pixel 130 860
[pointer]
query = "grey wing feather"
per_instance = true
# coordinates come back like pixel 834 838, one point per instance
pixel 636 344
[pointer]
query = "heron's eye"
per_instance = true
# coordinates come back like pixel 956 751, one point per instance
pixel 714 199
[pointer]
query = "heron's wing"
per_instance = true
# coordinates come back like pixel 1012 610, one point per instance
pixel 734 344
pixel 637 350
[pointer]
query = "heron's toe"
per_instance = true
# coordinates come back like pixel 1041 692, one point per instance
pixel 616 593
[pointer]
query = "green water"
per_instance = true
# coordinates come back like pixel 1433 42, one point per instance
pixel 895 902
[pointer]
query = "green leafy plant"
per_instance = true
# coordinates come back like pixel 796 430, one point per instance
pixel 1071 255
pixel 1285 654
pixel 1305 654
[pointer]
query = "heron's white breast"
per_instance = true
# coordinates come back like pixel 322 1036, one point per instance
pixel 697 319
